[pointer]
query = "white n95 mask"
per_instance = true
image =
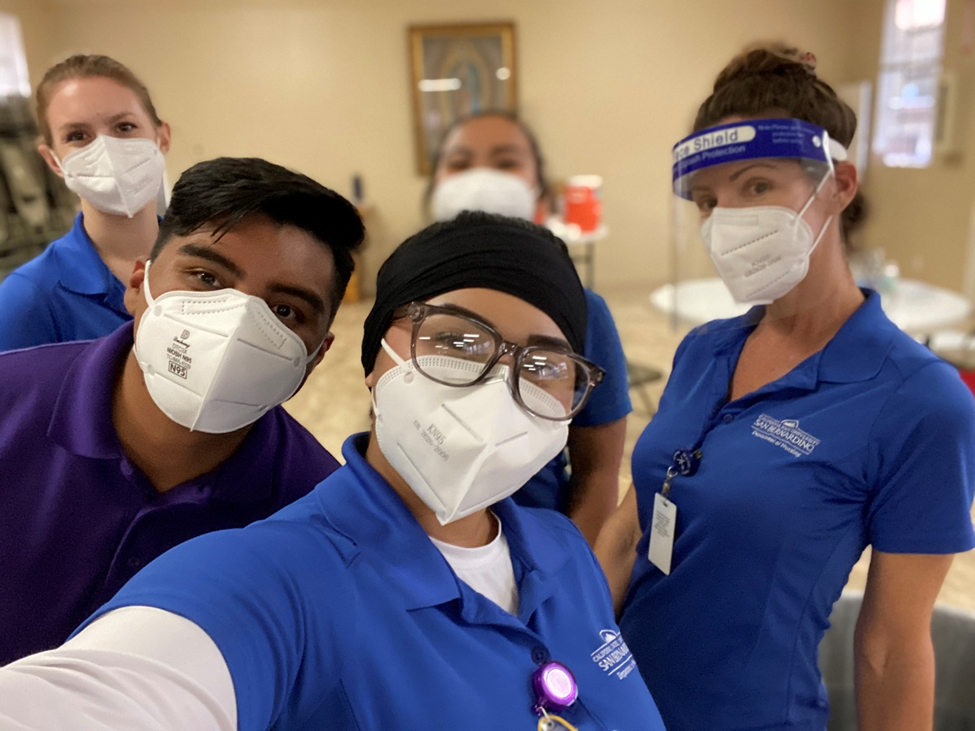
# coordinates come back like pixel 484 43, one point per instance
pixel 483 189
pixel 461 449
pixel 217 361
pixel 116 175
pixel 763 252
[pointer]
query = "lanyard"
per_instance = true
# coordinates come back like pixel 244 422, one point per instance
pixel 663 525
pixel 686 463
pixel 555 689
pixel 549 723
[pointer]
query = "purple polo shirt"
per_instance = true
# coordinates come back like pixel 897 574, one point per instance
pixel 78 519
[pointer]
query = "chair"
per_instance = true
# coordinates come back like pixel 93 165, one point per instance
pixel 639 376
pixel 953 634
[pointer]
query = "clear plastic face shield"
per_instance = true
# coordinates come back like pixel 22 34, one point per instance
pixel 745 220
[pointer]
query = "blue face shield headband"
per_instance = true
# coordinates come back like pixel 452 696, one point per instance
pixel 751 140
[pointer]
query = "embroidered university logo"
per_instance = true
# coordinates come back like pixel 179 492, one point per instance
pixel 613 656
pixel 785 434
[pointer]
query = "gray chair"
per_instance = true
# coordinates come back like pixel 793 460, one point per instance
pixel 639 376
pixel 953 634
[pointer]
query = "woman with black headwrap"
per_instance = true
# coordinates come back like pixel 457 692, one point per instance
pixel 406 591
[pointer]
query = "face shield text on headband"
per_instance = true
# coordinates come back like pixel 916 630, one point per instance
pixel 761 251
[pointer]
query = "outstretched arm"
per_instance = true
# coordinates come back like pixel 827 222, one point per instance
pixel 136 668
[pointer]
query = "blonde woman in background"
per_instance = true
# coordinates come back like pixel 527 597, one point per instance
pixel 102 135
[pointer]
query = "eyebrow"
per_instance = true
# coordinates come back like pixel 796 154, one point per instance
pixel 306 295
pixel 83 125
pixel 504 149
pixel 745 169
pixel 550 342
pixel 205 252
pixel 469 313
pixel 545 340
pixel 736 175
pixel 497 150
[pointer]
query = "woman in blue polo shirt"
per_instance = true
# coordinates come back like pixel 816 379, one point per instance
pixel 788 440
pixel 492 162
pixel 407 591
pixel 103 136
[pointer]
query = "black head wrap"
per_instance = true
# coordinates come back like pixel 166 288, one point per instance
pixel 479 250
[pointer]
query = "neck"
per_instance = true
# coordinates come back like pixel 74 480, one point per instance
pixel 120 240
pixel 472 531
pixel 821 302
pixel 167 453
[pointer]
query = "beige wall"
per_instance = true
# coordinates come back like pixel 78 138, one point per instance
pixel 322 86
pixel 922 217
pixel 37 19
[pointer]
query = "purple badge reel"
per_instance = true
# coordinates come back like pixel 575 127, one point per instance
pixel 555 690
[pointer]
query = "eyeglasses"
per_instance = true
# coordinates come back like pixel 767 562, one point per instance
pixel 546 381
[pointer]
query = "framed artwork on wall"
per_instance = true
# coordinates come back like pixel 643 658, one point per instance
pixel 458 70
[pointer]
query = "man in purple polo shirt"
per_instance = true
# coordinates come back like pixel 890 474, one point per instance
pixel 114 450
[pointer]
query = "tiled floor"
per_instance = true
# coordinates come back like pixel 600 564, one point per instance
pixel 335 403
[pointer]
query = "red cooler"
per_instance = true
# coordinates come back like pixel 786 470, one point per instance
pixel 583 202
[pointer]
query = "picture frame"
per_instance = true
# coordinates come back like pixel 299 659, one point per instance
pixel 458 70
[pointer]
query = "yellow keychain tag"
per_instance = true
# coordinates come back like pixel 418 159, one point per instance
pixel 662 533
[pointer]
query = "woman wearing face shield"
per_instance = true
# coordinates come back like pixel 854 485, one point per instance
pixel 406 591
pixel 492 162
pixel 788 440
pixel 102 135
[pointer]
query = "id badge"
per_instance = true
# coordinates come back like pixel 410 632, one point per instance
pixel 662 533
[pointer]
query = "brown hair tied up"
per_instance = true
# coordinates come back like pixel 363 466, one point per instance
pixel 778 80
pixel 83 67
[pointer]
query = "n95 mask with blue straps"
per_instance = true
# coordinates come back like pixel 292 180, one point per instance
pixel 217 361
pixel 461 449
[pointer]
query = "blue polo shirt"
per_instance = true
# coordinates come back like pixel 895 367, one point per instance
pixel 67 293
pixel 78 519
pixel 870 441
pixel 609 402
pixel 340 613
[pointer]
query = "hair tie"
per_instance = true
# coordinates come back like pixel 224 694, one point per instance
pixel 808 60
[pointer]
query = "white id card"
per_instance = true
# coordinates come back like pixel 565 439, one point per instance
pixel 662 533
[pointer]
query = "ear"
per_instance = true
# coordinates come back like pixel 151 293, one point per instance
pixel 326 344
pixel 847 184
pixel 165 136
pixel 133 292
pixel 371 379
pixel 48 154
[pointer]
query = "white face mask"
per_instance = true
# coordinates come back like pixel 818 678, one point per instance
pixel 217 361
pixel 117 176
pixel 484 189
pixel 461 449
pixel 763 252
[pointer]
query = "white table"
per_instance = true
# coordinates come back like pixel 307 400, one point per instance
pixel 915 307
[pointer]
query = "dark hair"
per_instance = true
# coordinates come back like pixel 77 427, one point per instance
pixel 469 219
pixel 482 250
pixel 83 67
pixel 774 79
pixel 223 192
pixel 544 189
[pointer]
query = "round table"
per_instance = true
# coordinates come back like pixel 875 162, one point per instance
pixel 915 307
